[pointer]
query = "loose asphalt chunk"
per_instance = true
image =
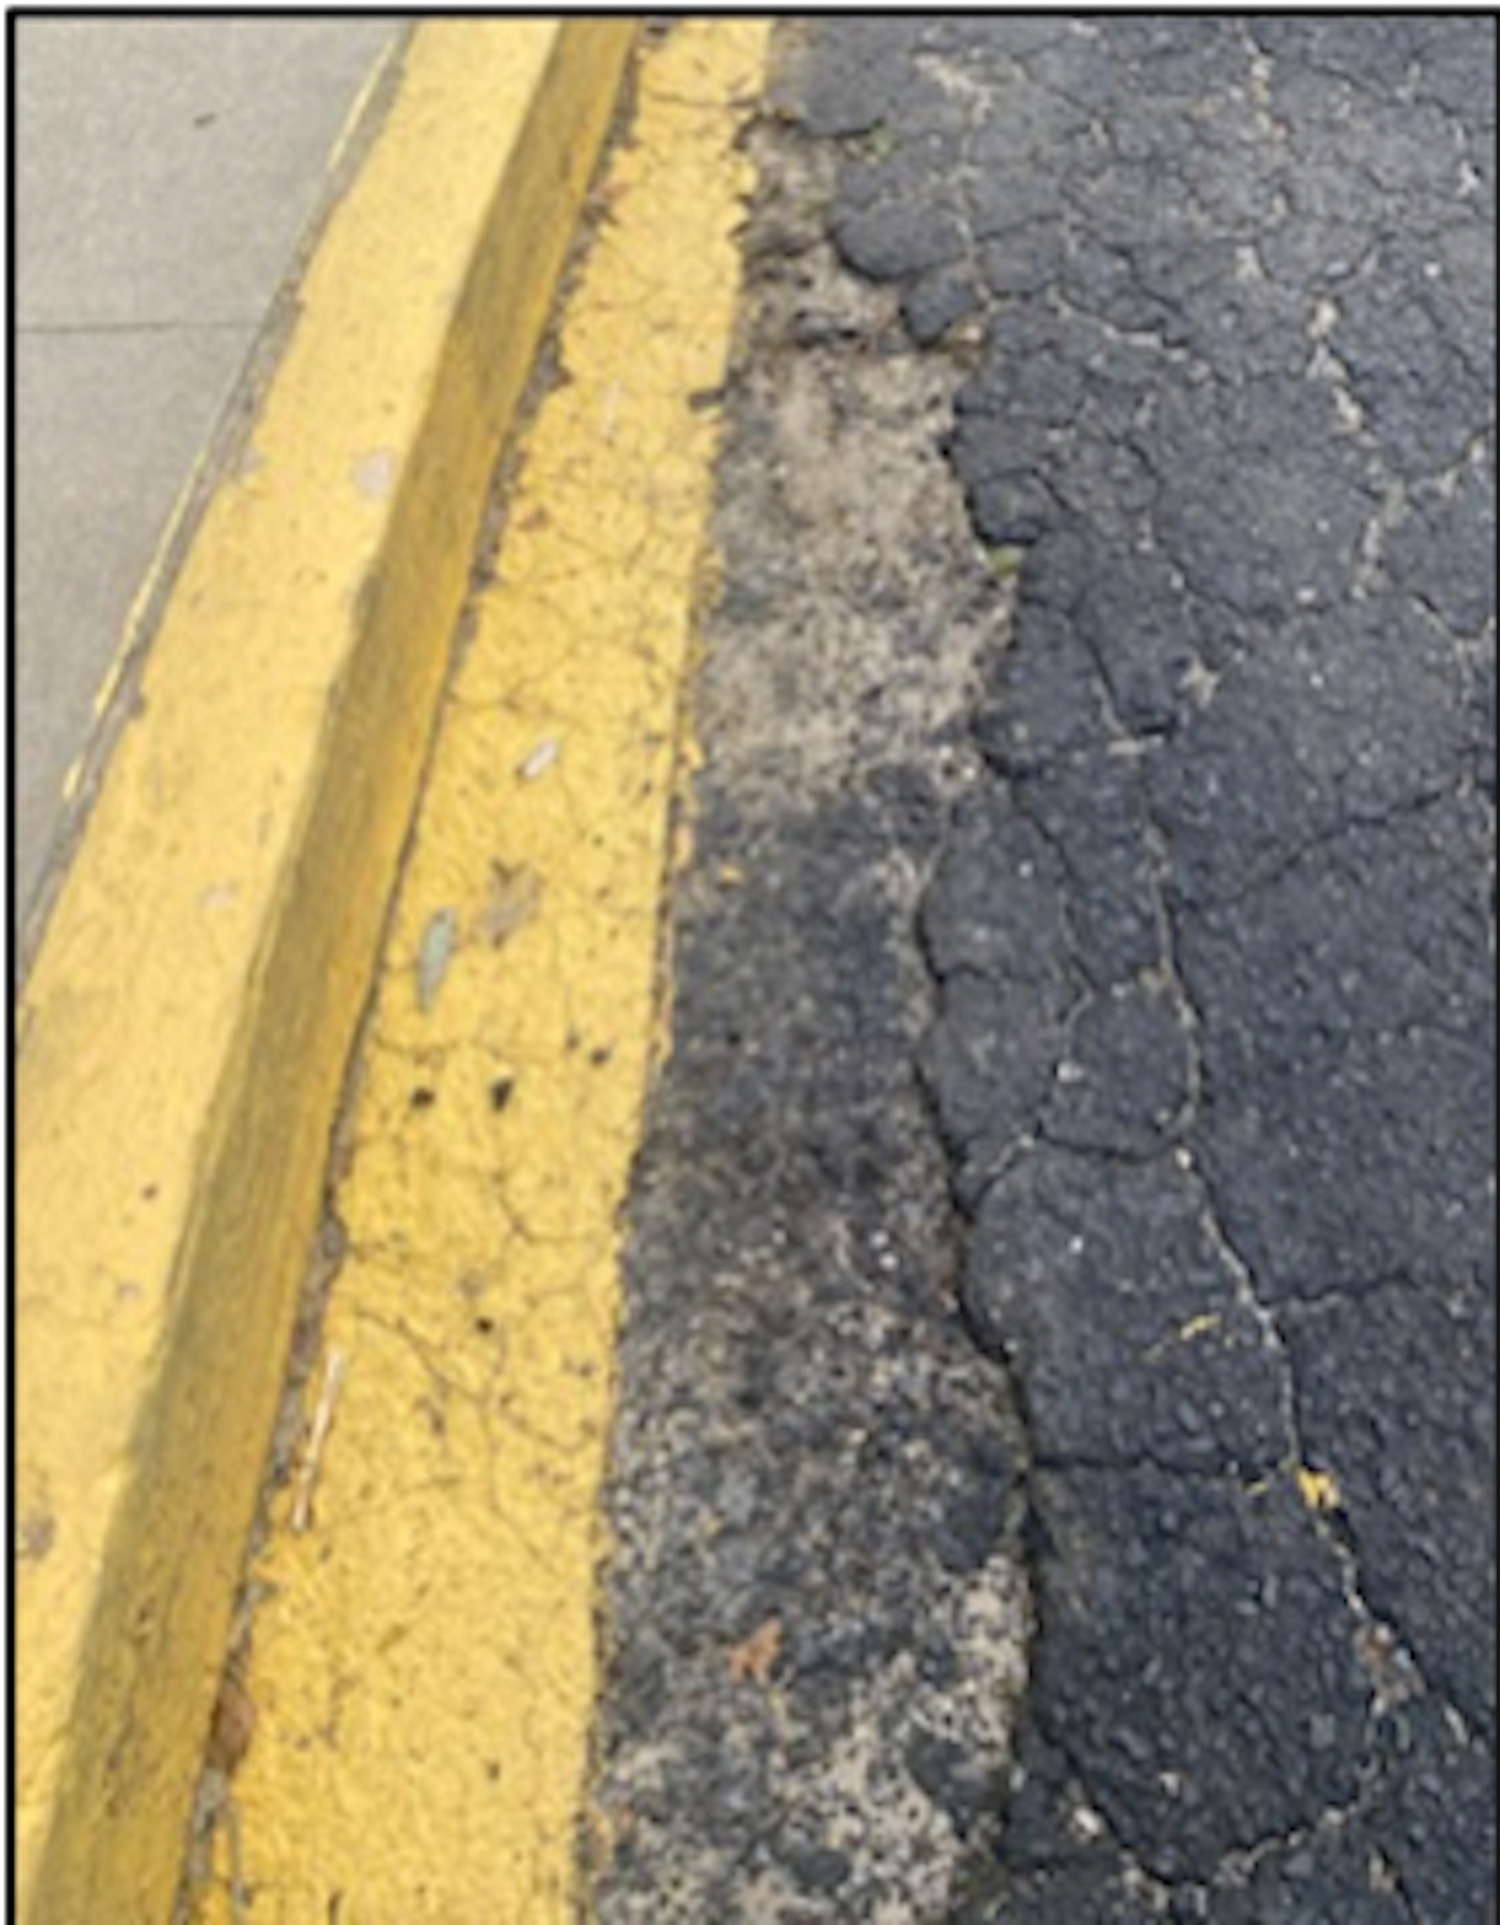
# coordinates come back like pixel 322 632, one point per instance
pixel 1056 1471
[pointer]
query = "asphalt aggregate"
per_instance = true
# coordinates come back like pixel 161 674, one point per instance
pixel 1056 1471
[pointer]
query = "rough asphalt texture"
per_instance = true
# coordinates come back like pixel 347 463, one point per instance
pixel 817 1612
pixel 1207 1034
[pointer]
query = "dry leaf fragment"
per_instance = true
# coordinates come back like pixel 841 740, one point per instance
pixel 755 1658
pixel 233 1727
pixel 515 895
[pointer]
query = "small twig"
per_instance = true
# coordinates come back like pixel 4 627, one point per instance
pixel 333 1379
pixel 237 1895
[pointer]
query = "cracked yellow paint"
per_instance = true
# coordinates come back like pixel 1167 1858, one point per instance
pixel 424 1666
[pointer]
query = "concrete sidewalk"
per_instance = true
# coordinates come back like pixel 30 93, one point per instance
pixel 166 172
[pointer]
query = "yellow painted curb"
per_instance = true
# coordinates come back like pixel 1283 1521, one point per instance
pixel 185 1028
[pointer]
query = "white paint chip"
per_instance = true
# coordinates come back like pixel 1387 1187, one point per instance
pixel 375 474
pixel 541 758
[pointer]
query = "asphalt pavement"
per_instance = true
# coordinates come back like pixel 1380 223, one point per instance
pixel 1055 1477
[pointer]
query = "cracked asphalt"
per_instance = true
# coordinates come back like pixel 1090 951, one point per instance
pixel 1055 1478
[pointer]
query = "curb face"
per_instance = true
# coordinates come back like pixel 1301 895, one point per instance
pixel 185 1028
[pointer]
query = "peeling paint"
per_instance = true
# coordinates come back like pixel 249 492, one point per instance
pixel 431 1641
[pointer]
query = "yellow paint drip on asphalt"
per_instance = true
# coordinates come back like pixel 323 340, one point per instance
pixel 424 1667
pixel 1319 1489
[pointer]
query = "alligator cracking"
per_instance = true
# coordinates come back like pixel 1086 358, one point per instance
pixel 1019 1461
pixel 1211 938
